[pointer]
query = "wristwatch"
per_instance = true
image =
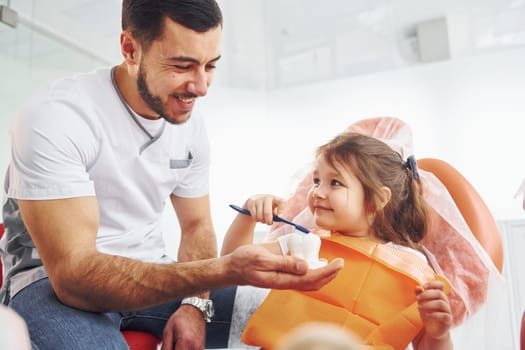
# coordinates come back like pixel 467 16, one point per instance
pixel 205 305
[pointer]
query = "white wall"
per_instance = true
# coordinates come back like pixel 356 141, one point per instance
pixel 468 112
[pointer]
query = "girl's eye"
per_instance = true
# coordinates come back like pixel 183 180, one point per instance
pixel 317 181
pixel 335 183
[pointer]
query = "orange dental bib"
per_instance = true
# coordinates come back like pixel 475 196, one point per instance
pixel 372 296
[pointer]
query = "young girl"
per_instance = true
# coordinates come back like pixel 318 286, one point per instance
pixel 369 200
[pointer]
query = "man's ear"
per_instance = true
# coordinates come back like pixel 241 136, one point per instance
pixel 384 197
pixel 129 47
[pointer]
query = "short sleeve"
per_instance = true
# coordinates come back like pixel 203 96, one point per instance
pixel 53 144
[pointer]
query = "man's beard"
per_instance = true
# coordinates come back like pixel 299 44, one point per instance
pixel 153 102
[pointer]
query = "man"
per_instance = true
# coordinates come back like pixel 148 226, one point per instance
pixel 94 158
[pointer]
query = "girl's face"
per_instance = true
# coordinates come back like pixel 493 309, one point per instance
pixel 337 201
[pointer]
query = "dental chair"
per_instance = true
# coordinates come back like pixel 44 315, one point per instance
pixel 135 339
pixel 522 332
pixel 141 340
pixel 472 207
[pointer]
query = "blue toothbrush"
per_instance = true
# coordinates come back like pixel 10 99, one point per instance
pixel 275 218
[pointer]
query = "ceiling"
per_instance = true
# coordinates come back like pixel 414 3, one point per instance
pixel 272 44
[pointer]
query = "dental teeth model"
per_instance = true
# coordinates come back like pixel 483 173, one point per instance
pixel 306 246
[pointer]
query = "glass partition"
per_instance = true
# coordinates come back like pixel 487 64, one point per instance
pixel 32 54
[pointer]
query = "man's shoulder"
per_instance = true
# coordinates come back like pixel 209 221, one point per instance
pixel 85 92
pixel 68 102
pixel 81 85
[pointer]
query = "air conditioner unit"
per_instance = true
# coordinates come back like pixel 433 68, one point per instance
pixel 433 40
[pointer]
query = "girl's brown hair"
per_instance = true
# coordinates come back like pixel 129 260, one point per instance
pixel 403 220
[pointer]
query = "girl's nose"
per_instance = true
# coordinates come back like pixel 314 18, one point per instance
pixel 319 192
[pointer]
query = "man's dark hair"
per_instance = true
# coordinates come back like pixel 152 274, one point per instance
pixel 145 18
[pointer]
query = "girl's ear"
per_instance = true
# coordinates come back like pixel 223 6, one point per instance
pixel 384 194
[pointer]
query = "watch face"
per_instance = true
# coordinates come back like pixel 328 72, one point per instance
pixel 209 311
pixel 209 308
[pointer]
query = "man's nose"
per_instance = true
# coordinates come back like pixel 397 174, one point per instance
pixel 198 84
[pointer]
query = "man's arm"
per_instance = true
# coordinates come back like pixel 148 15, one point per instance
pixel 186 328
pixel 198 239
pixel 64 232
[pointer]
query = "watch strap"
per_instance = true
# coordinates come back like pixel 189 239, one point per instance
pixel 204 305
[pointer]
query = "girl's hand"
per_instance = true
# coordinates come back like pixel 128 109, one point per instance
pixel 264 206
pixel 434 309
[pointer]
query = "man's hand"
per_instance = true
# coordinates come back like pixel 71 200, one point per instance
pixel 257 266
pixel 185 330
